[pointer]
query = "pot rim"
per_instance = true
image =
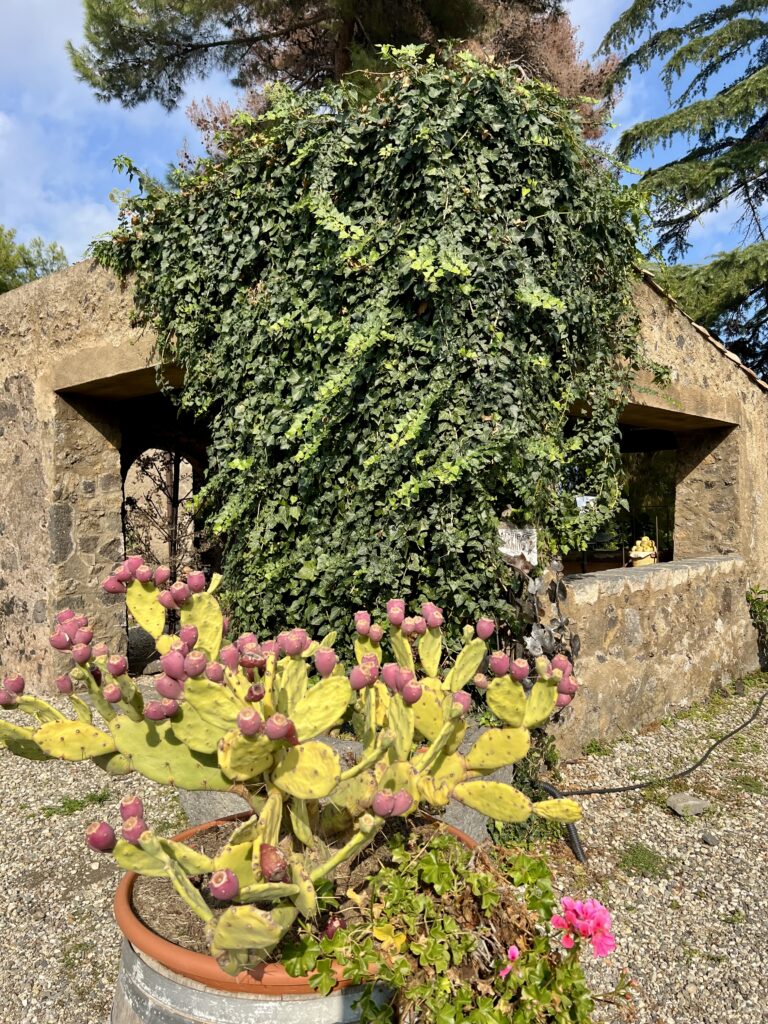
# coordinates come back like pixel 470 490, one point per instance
pixel 265 980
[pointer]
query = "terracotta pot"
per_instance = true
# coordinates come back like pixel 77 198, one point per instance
pixel 162 962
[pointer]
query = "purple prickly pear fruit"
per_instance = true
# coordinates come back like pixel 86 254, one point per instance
pixel 396 611
pixel 280 641
pixel 154 711
pixel 250 722
pixel 81 621
pixel 463 699
pixel 131 807
pixel 71 628
pixel 7 699
pixel 223 885
pixel 568 685
pixel 270 647
pixel 14 683
pixel 292 736
pixel 563 700
pixel 112 585
pixel 96 673
pixel 112 693
pixel 133 562
pixel 296 642
pixel 358 679
pixel 498 663
pixel 390 674
pixel 64 684
pixel 519 669
pixel 214 671
pixel 246 638
pixel 180 592
pixel 434 619
pixel 376 634
pixel 83 636
pixel 403 802
pixel 363 623
pixel 99 650
pixel 64 615
pixel 124 574
pixel 255 693
pixel 326 660
pixel 162 575
pixel 230 656
pixel 383 804
pixel 485 628
pixel 165 597
pixel 277 726
pixel 411 693
pixel 59 640
pixel 81 653
pixel 133 829
pixel 419 625
pixel 196 581
pixel 143 574
pixel 334 924
pixel 404 677
pixel 188 635
pixel 194 663
pixel 173 664
pixel 560 661
pixel 274 866
pixel 369 663
pixel 169 687
pixel 100 836
pixel 224 625
pixel 250 656
pixel 117 664
pixel 481 681
pixel 409 625
pixel 170 707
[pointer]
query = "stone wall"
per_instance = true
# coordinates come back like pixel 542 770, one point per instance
pixel 60 483
pixel 654 638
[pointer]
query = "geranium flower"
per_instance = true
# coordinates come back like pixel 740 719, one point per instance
pixel 512 954
pixel 586 919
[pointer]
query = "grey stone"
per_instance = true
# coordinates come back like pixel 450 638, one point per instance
pixel 40 611
pixel 687 804
pixel 60 531
pixel 708 839
pixel 200 807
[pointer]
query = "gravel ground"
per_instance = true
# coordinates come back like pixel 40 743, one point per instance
pixel 60 945
pixel 690 917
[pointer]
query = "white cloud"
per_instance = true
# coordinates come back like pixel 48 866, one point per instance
pixel 593 18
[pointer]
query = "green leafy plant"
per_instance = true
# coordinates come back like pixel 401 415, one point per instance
pixel 456 936
pixel 247 717
pixel 402 317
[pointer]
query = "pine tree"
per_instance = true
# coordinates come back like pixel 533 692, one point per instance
pixel 20 264
pixel 138 50
pixel 715 71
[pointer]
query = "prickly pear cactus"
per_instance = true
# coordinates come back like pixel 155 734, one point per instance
pixel 248 716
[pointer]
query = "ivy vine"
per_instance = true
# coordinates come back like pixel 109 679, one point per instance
pixel 402 315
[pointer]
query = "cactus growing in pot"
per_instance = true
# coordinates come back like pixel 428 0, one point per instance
pixel 311 813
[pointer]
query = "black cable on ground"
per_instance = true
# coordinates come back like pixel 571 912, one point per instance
pixel 573 836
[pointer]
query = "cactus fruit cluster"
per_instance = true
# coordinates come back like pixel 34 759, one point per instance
pixel 247 716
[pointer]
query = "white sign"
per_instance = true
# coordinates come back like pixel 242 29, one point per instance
pixel 515 541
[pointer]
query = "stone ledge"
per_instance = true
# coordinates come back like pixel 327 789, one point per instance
pixel 586 587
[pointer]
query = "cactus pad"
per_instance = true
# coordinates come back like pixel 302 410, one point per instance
pixel 497 747
pixel 20 740
pixel 251 928
pixel 540 704
pixel 506 699
pixel 243 757
pixel 466 665
pixel 73 741
pixel 143 605
pixel 558 810
pixel 321 707
pixel 309 771
pixel 431 651
pixel 152 749
pixel 495 799
pixel 203 611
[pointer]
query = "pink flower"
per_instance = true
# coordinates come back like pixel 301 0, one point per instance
pixel 512 954
pixel 586 919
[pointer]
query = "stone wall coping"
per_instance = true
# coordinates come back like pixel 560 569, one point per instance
pixel 587 587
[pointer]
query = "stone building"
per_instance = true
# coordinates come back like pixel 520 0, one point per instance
pixel 79 403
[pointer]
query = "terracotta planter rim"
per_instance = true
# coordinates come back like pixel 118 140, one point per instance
pixel 267 980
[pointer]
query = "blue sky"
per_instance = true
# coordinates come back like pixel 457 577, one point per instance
pixel 57 142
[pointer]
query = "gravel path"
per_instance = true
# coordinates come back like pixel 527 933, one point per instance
pixel 688 895
pixel 690 917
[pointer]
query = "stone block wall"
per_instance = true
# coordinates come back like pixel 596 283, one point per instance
pixel 654 638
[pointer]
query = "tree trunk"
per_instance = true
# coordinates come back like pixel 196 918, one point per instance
pixel 342 59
